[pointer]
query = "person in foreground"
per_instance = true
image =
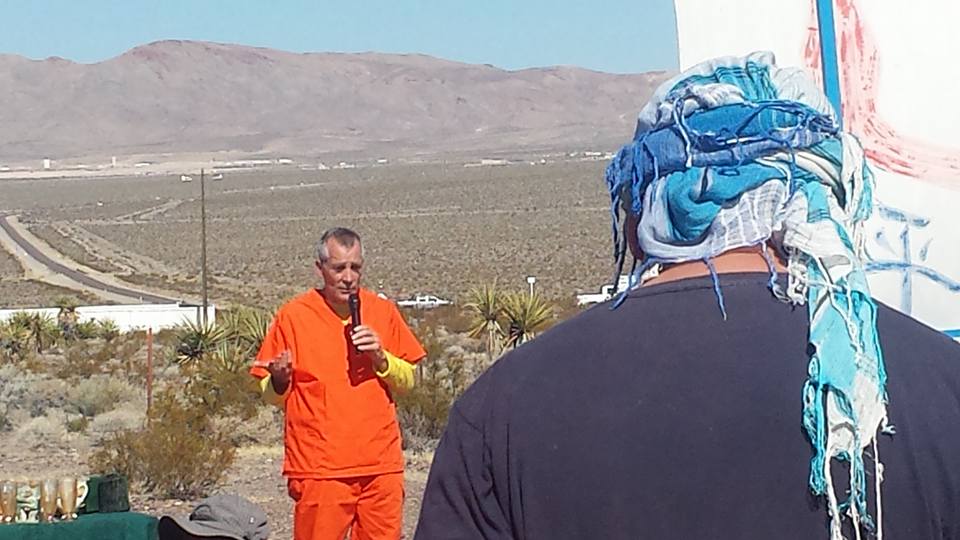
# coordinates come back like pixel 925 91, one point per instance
pixel 335 381
pixel 753 389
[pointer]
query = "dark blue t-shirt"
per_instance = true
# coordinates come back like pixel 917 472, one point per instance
pixel 662 420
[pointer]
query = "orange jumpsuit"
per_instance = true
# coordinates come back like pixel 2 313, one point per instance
pixel 342 450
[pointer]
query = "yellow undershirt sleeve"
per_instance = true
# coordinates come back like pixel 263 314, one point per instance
pixel 270 396
pixel 399 373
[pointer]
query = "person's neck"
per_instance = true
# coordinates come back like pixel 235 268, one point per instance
pixel 741 260
pixel 342 309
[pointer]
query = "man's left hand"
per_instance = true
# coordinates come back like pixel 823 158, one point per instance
pixel 367 341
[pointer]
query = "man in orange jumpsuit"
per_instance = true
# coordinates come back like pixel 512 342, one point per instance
pixel 342 456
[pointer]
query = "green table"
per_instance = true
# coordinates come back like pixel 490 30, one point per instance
pixel 112 526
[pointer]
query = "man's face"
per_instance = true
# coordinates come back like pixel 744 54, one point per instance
pixel 341 271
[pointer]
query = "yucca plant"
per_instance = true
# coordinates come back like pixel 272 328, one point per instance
pixel 107 329
pixel 484 304
pixel 67 317
pixel 255 327
pixel 88 329
pixel 247 326
pixel 525 315
pixel 14 340
pixel 230 356
pixel 41 330
pixel 196 340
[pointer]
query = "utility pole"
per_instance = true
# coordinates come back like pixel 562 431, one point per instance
pixel 203 245
pixel 149 369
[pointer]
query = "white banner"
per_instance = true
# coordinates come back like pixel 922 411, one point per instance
pixel 895 63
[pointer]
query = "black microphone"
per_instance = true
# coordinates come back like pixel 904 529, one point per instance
pixel 355 309
pixel 354 302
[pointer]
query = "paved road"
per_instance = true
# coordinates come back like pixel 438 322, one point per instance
pixel 79 277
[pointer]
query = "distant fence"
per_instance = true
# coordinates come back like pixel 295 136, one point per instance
pixel 130 316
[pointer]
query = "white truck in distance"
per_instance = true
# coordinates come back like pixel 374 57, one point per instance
pixel 606 292
pixel 423 301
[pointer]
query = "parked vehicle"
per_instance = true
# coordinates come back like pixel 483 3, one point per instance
pixel 423 301
pixel 606 292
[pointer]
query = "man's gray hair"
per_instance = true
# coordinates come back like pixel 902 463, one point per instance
pixel 343 236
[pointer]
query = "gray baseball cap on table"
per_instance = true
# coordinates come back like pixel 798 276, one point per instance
pixel 226 516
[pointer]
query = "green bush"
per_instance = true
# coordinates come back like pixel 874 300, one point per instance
pixel 441 378
pixel 179 454
pixel 107 330
pixel 220 391
pixel 118 357
pixel 99 394
pixel 25 330
pixel 423 411
pixel 78 424
pixel 83 359
pixel 87 329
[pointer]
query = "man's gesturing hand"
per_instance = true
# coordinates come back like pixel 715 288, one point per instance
pixel 367 341
pixel 280 370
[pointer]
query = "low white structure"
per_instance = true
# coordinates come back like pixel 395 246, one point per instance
pixel 129 317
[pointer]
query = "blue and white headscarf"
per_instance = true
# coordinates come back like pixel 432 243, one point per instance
pixel 736 152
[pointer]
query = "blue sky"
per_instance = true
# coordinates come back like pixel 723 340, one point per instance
pixel 619 36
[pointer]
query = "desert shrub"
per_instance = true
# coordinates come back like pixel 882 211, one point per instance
pixel 107 330
pixel 126 361
pixel 40 395
pixel 220 391
pixel 447 371
pixel 179 453
pixel 87 329
pixel 245 326
pixel 14 342
pixel 451 317
pixel 129 417
pixel 85 358
pixel 99 394
pixel 214 361
pixel 167 338
pixel 196 341
pixel 264 428
pixel 41 330
pixel 46 431
pixel 77 424
pixel 5 422
pixel 423 411
pixel 524 315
